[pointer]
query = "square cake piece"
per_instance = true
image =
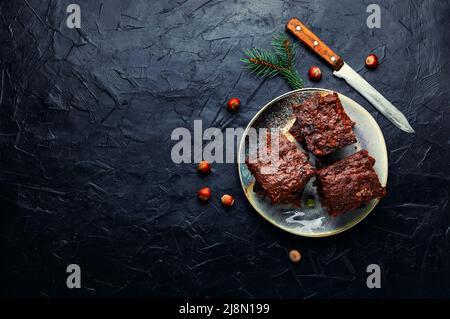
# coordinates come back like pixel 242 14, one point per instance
pixel 323 124
pixel 285 182
pixel 349 183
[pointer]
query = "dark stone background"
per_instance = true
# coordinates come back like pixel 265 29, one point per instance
pixel 86 175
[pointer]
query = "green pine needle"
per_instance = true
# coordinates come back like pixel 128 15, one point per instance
pixel 292 78
pixel 281 62
pixel 284 49
pixel 262 63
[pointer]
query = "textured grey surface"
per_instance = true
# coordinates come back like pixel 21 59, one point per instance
pixel 85 169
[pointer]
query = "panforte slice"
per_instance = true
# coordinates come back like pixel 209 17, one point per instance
pixel 282 183
pixel 349 183
pixel 322 124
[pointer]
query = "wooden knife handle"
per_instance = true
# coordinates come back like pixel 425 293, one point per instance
pixel 300 31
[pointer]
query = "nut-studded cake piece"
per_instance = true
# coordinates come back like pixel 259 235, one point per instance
pixel 322 124
pixel 285 182
pixel 349 183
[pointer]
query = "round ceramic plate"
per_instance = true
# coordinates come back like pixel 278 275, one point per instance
pixel 313 222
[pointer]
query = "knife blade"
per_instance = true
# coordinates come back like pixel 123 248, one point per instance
pixel 374 97
pixel 344 71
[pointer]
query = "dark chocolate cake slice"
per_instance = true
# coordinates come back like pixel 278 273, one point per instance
pixel 282 183
pixel 349 183
pixel 322 124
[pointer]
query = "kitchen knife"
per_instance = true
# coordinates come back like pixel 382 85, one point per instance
pixel 344 71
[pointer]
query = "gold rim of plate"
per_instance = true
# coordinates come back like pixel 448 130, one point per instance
pixel 336 231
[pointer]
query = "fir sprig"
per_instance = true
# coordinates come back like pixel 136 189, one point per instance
pixel 262 62
pixel 280 62
pixel 284 49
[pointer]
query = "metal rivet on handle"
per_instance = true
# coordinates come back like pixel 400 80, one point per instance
pixel 333 59
pixel 298 28
pixel 315 43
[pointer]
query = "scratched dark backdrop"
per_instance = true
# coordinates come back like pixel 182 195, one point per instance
pixel 86 175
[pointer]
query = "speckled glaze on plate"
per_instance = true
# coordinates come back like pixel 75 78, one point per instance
pixel 313 222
